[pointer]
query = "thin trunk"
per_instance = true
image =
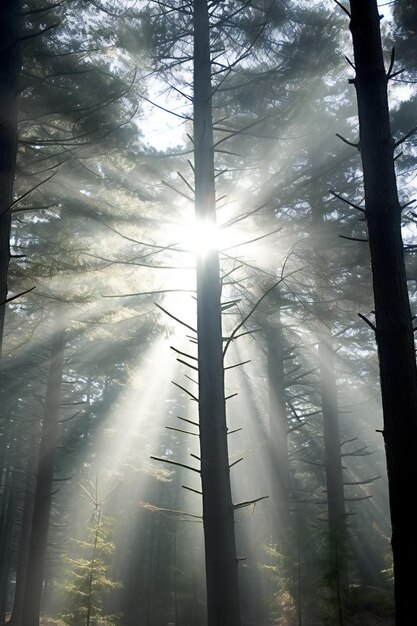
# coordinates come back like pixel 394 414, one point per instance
pixel 43 487
pixel 176 618
pixel 299 595
pixel 9 65
pixel 394 330
pixel 334 469
pixel 23 552
pixel 151 570
pixel 6 558
pixel 5 501
pixel 278 434
pixel 218 519
pixel 90 588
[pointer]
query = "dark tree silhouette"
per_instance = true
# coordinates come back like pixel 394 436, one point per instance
pixel 9 54
pixel 393 320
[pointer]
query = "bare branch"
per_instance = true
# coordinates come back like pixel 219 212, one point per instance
pixel 184 419
pixel 187 364
pixel 175 318
pixel 179 430
pixel 39 33
pixel 235 430
pixel 245 319
pixel 408 203
pixel 30 191
pixel 157 509
pixel 339 4
pixel 400 141
pixel 357 452
pixel 367 321
pixel 353 238
pixel 189 356
pixel 241 505
pixel 397 73
pixel 245 243
pixel 391 63
pixel 18 295
pixel 350 62
pixel 349 143
pixel 186 182
pixel 358 498
pixel 230 304
pixel 157 458
pixel 181 193
pixel 339 197
pixel 193 490
pixel 236 462
pixel 192 396
pixel 229 367
pixel 362 482
pixel 158 106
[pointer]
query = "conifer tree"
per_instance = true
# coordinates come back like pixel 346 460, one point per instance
pixel 393 325
pixel 9 68
pixel 88 578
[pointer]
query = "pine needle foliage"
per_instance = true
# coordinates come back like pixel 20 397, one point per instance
pixel 88 581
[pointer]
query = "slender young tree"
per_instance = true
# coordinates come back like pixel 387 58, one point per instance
pixel 334 469
pixel 393 321
pixel 278 432
pixel 218 518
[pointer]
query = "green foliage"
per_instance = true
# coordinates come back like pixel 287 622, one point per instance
pixel 335 567
pixel 88 579
pixel 282 569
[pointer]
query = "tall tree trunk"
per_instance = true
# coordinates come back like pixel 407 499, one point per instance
pixel 23 551
pixel 334 471
pixel 7 511
pixel 6 556
pixel 278 434
pixel 218 518
pixel 9 63
pixel 43 487
pixel 394 331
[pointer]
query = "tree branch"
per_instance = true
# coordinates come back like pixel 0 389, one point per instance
pixel 365 319
pixel 18 295
pixel 349 143
pixel 339 197
pixel 339 4
pixel 157 458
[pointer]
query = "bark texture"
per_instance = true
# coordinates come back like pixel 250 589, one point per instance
pixel 43 486
pixel 394 332
pixel 9 64
pixel 218 515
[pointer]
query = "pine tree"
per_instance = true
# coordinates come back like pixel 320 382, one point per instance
pixel 393 320
pixel 88 578
pixel 9 64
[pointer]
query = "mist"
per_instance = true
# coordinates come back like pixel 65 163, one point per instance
pixel 207 300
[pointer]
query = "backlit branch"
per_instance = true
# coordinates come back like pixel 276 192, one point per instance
pixel 245 319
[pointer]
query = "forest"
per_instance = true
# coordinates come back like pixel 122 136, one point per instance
pixel 208 293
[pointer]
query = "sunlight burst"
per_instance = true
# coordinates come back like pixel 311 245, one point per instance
pixel 203 237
